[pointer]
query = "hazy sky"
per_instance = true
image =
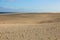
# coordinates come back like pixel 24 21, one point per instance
pixel 35 5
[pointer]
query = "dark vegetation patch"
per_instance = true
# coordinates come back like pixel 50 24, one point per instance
pixel 57 20
pixel 50 21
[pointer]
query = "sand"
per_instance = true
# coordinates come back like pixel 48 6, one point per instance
pixel 29 18
pixel 30 27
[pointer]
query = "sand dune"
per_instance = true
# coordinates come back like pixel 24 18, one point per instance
pixel 30 27
pixel 47 31
pixel 29 18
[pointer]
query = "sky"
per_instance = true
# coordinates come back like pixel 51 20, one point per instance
pixel 31 5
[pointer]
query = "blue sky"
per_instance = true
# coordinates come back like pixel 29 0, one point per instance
pixel 32 5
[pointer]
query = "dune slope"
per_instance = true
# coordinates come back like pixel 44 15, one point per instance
pixel 29 18
pixel 30 27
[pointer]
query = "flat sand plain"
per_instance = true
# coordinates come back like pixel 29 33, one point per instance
pixel 30 26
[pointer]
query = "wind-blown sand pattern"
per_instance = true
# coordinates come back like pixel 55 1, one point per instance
pixel 30 27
